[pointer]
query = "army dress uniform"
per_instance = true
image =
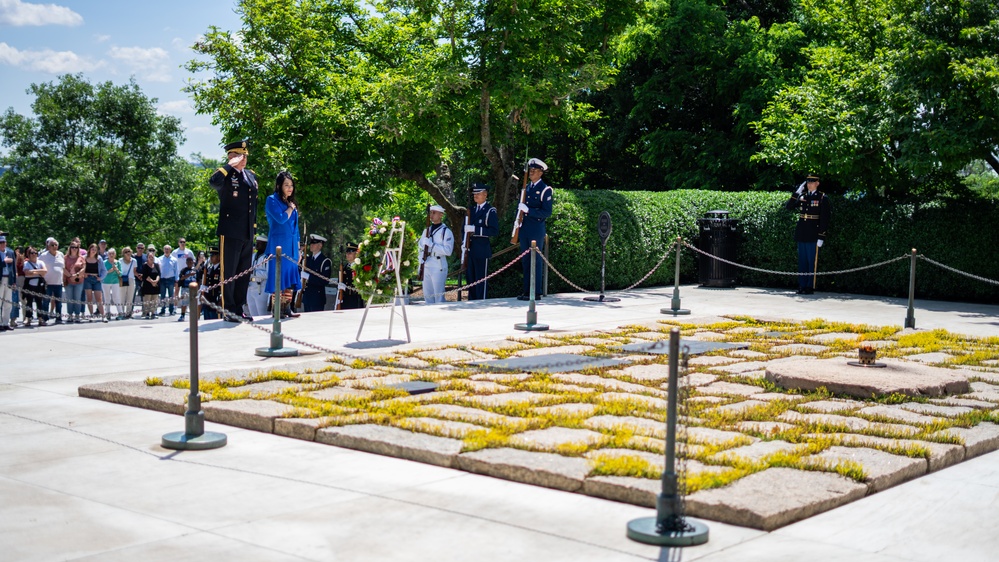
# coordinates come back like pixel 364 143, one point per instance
pixel 314 286
pixel 212 276
pixel 485 224
pixel 348 295
pixel 237 191
pixel 814 213
pixel 538 198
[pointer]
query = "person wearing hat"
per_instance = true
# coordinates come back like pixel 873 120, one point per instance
pixel 483 223
pixel 8 280
pixel 256 297
pixel 236 186
pixel 348 297
pixel 534 211
pixel 210 276
pixel 435 245
pixel 314 292
pixel 814 212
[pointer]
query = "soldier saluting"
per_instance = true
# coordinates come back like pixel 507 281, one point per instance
pixel 237 189
pixel 813 222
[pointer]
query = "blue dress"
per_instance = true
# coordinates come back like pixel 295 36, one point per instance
pixel 283 232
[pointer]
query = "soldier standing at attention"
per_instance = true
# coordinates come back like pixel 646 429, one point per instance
pixel 314 289
pixel 435 245
pixel 814 213
pixel 237 189
pixel 534 211
pixel 483 223
pixel 349 298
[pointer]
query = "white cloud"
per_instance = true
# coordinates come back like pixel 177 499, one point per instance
pixel 52 62
pixel 18 13
pixel 178 107
pixel 151 64
pixel 102 38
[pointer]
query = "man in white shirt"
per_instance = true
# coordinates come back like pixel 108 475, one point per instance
pixel 55 265
pixel 168 277
pixel 435 245
pixel 182 253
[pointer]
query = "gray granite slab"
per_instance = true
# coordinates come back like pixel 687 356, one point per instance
pixel 653 372
pixel 897 413
pixel 338 393
pixel 743 367
pixel 640 426
pixel 757 451
pixel 978 440
pixel 267 388
pixel 258 415
pixel 827 406
pixel 710 436
pixel 393 442
pixel 799 348
pixel 965 402
pixel 902 377
pixel 502 378
pixel 711 360
pixel 574 409
pixel 935 357
pixel 883 470
pixel 138 394
pixel 507 398
pixel 747 354
pixel 440 428
pixel 851 423
pixel 451 355
pixel 554 437
pixel 941 455
pixel 722 388
pixel 376 382
pixel 480 387
pixel 833 336
pixel 636 491
pixel 299 428
pixel 455 412
pixel 573 350
pixel 540 469
pixel 739 407
pixel 650 401
pixel 549 362
pixel 765 427
pixel 695 379
pixel 751 501
pixel 607 383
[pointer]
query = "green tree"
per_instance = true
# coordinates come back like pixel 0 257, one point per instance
pixel 96 161
pixel 354 97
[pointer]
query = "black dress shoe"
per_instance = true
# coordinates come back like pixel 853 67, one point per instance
pixel 524 298
pixel 807 291
pixel 246 317
pixel 230 319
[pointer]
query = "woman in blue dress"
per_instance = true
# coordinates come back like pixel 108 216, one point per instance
pixel 282 218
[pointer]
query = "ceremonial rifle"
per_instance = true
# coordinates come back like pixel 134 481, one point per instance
pixel 515 238
pixel 466 239
pixel 339 292
pixel 426 249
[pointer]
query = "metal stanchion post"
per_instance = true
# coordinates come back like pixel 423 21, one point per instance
pixel 670 526
pixel 532 313
pixel 674 308
pixel 910 318
pixel 277 348
pixel 194 436
pixel 545 282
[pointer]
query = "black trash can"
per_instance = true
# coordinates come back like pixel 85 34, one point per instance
pixel 719 236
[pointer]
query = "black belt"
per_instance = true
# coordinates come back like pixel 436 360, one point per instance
pixel 810 217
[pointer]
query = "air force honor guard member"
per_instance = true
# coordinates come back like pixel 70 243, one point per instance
pixel 535 210
pixel 483 223
pixel 813 221
pixel 314 287
pixel 435 245
pixel 237 189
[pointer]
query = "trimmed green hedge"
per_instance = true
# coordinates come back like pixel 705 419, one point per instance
pixel 961 234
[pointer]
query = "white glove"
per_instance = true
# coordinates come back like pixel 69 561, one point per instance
pixel 523 208
pixel 341 286
pixel 818 244
pixel 470 228
pixel 801 189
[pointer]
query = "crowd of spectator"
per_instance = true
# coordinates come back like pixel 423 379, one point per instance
pixel 96 283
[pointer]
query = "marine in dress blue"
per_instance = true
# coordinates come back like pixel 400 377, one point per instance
pixel 483 223
pixel 536 209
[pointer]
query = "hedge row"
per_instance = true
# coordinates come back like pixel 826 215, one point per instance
pixel 960 234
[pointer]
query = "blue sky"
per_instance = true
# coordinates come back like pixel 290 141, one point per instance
pixel 112 40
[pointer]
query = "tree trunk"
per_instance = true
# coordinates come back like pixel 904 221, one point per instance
pixel 993 161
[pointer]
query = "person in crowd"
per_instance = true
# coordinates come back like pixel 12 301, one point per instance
pixel 127 267
pixel 93 274
pixel 55 271
pixel 282 218
pixel 140 258
pixel 111 283
pixel 212 276
pixel 483 223
pixel 102 249
pixel 181 252
pixel 314 292
pixel 532 213
pixel 79 244
pixel 15 315
pixel 256 298
pixel 73 280
pixel 814 213
pixel 435 245
pixel 34 287
pixel 150 273
pixel 236 186
pixel 201 260
pixel 8 282
pixel 169 268
pixel 187 275
pixel 349 297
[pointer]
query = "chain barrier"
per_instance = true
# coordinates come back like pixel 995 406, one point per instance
pixel 797 273
pixel 666 254
pixel 958 271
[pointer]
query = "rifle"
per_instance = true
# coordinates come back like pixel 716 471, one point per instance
pixel 515 237
pixel 466 238
pixel 339 292
pixel 426 249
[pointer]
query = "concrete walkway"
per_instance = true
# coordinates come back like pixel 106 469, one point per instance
pixel 83 479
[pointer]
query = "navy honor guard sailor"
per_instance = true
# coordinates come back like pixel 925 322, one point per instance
pixel 314 286
pixel 236 186
pixel 435 245
pixel 814 212
pixel 535 210
pixel 483 223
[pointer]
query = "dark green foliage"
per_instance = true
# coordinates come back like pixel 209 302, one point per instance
pixel 863 232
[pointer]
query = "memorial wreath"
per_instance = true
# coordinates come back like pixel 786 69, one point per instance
pixel 374 268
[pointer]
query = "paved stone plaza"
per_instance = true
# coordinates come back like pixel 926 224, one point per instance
pixel 289 486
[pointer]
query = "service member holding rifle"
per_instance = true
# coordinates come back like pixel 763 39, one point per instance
pixel 534 209
pixel 436 244
pixel 483 222
pixel 814 213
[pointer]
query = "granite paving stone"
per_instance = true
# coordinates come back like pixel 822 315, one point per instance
pixel 376 382
pixel 138 394
pixel 608 383
pixel 721 388
pixel 757 451
pixel 393 442
pixel 774 396
pixel 625 489
pixel 299 428
pixel 267 388
pixel 478 387
pixel 747 353
pixel 765 427
pixel 452 411
pixel 707 399
pixel 338 393
pixel 708 335
pixel 935 357
pixel 653 372
pixel 640 426
pixel 441 428
pixel 978 440
pixel 739 407
pixel 650 401
pixel 964 402
pixel 827 406
pixel 902 377
pixel 710 360
pixel 751 501
pixel 741 367
pixel 883 470
pixel 540 469
pixel 897 413
pixel 709 436
pixel 258 415
pixel 503 378
pixel 452 355
pixel 855 424
pixel 941 456
pixel 567 409
pixel 553 437
pixel 799 348
pixel 833 336
pixel 506 398
pixel 537 351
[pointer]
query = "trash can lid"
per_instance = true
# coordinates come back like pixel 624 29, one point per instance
pixel 716 214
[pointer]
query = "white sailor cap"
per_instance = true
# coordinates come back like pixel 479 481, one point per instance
pixel 437 208
pixel 316 238
pixel 261 238
pixel 535 163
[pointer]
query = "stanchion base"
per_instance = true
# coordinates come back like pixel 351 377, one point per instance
pixel 531 327
pixel 276 352
pixel 644 530
pixel 674 311
pixel 184 442
pixel 601 298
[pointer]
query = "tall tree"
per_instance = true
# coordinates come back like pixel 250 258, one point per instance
pixel 354 96
pixel 96 161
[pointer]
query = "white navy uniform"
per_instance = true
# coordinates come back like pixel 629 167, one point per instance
pixel 441 243
pixel 256 298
